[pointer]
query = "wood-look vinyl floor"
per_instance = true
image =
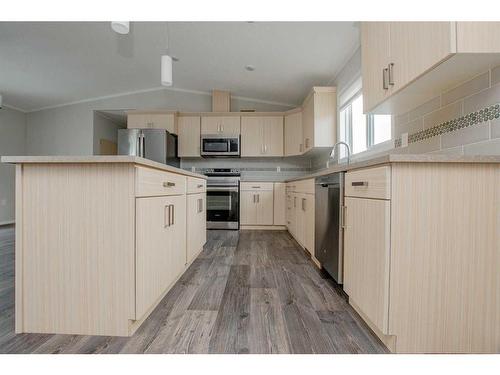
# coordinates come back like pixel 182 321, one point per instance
pixel 247 292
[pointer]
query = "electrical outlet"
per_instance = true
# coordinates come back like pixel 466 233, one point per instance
pixel 278 169
pixel 404 140
pixel 193 169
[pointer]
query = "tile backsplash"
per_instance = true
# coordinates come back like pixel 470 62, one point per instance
pixel 256 169
pixel 462 120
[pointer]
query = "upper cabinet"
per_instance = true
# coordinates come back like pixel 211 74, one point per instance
pixel 154 120
pixel 223 125
pixel 406 63
pixel 189 136
pixel 319 118
pixel 262 136
pixel 293 134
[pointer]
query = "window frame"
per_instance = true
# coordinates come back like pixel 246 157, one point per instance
pixel 370 127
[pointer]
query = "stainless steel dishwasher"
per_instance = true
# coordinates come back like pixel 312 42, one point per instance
pixel 329 203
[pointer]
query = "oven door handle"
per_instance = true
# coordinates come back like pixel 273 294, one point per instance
pixel 217 188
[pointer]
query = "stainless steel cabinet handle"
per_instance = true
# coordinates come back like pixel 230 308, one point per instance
pixel 258 198
pixel 307 142
pixel 359 183
pixel 168 184
pixel 200 205
pixel 300 147
pixel 166 214
pixel 254 198
pixel 294 202
pixel 199 186
pixel 255 187
pixel 172 213
pixel 222 127
pixel 343 210
pixel 303 204
pixel 391 74
pixel 265 149
pixel 385 78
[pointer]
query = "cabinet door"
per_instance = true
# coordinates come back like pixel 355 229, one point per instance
pixel 196 225
pixel 224 125
pixel 366 257
pixel 189 136
pixel 279 203
pixel 418 46
pixel 375 56
pixel 252 136
pixel 137 121
pixel 293 134
pixel 273 135
pixel 160 247
pixel 265 208
pixel 299 219
pixel 162 121
pixel 478 37
pixel 308 123
pixel 248 208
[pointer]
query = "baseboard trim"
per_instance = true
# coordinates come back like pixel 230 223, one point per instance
pixel 262 227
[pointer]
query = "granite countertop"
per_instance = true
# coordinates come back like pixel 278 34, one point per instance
pixel 402 158
pixel 97 159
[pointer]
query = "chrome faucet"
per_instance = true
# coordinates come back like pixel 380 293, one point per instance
pixel 348 151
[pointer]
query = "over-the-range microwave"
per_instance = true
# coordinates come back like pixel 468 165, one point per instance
pixel 220 145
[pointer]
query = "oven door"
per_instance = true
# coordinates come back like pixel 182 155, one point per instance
pixel 219 146
pixel 223 207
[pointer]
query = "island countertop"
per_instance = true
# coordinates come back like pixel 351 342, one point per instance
pixel 402 158
pixel 97 159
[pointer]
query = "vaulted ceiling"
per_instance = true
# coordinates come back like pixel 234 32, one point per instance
pixel 51 63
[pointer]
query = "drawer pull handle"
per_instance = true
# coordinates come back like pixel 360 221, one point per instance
pixel 199 186
pixel 168 184
pixel 255 187
pixel 359 183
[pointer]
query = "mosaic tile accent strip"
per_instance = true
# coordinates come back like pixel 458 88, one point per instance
pixel 474 118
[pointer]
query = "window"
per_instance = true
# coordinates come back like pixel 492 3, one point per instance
pixel 361 131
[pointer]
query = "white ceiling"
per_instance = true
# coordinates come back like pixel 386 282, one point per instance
pixel 48 64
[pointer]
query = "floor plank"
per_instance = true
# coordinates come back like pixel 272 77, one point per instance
pixel 247 292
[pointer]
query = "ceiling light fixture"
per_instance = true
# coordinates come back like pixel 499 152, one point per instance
pixel 121 27
pixel 166 66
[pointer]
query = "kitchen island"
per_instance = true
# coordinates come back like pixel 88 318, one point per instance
pixel 100 240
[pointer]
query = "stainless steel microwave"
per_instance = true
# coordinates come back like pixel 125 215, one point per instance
pixel 220 145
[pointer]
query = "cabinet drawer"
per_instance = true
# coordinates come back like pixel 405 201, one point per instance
pixel 196 185
pixel 152 182
pixel 304 186
pixel 369 183
pixel 256 186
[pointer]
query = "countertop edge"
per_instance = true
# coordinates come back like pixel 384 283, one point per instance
pixel 403 158
pixel 97 160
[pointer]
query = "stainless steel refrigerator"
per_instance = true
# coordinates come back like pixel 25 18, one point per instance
pixel 154 144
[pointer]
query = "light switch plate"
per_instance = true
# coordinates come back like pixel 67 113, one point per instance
pixel 404 140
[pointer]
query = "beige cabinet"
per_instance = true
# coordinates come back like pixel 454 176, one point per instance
pixel 189 136
pixel 406 63
pixel 223 125
pixel 366 257
pixel 293 134
pixel 160 249
pixel 300 212
pixel 279 203
pixel 319 118
pixel 375 55
pixel 152 120
pixel 196 225
pixel 257 203
pixel 262 136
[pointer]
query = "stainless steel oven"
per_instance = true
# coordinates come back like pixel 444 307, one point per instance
pixel 219 145
pixel 223 199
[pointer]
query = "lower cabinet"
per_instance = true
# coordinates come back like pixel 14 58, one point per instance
pixel 366 257
pixel 197 225
pixel 160 247
pixel 256 207
pixel 300 212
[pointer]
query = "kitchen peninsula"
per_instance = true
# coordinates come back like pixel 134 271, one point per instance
pixel 100 240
